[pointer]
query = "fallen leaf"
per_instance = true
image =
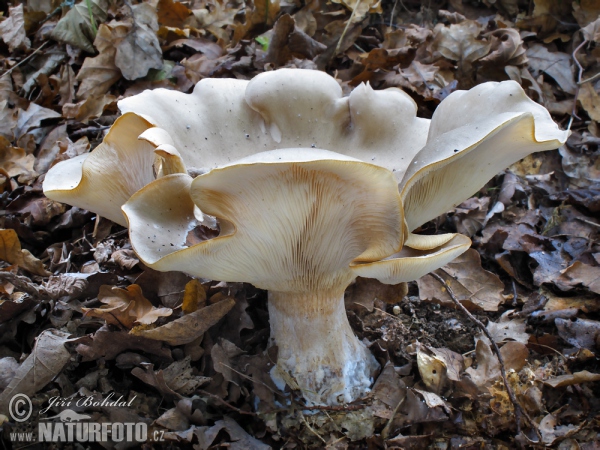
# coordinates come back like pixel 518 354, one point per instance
pixel 172 14
pixel 126 307
pixel 99 73
pixel 14 160
pixel 12 30
pixel 551 430
pixel 579 273
pixel 555 64
pixel 508 328
pixel 240 440
pixel 10 251
pixel 8 370
pixel 365 291
pixel 590 100
pixel 473 286
pixel 76 27
pixel 189 327
pixel 262 14
pixel 138 42
pixel 46 360
pixel 179 376
pixel 32 117
pixel 488 366
pixel 506 48
pixel 90 108
pixel 107 344
pixel 514 354
pixel 574 378
pixel 125 258
pixel 194 297
pixel 580 333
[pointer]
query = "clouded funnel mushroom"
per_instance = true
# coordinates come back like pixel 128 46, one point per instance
pixel 311 189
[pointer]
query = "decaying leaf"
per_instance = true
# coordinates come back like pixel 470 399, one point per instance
pixel 189 327
pixel 99 73
pixel 126 307
pixel 46 360
pixel 12 30
pixel 574 378
pixel 107 344
pixel 194 296
pixel 508 328
pixel 138 42
pixel 76 27
pixel 473 286
pixel 10 251
pixel 555 64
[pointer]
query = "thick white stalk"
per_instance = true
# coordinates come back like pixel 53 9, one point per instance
pixel 317 351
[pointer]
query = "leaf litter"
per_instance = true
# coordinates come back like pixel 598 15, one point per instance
pixel 80 315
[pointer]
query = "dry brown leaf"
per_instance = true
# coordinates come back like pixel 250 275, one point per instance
pixel 172 14
pixel 590 100
pixel 126 307
pixel 460 43
pixel 90 108
pixel 180 377
pixel 555 64
pixel 580 333
pixel 32 117
pixel 586 11
pixel 365 291
pixel 551 430
pixel 99 73
pixel 361 7
pixel 473 286
pixel 12 30
pixel 137 41
pixel 189 327
pixel 125 258
pixel 488 366
pixel 107 344
pixel 508 328
pixel 194 297
pixel 514 354
pixel 47 359
pixel 506 48
pixel 579 273
pixel 263 14
pixel 574 378
pixel 10 251
pixel 13 160
pixel 76 29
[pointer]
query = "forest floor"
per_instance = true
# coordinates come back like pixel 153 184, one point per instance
pixel 72 289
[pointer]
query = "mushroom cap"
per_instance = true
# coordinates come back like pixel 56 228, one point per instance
pixel 102 181
pixel 474 135
pixel 290 221
pixel 224 120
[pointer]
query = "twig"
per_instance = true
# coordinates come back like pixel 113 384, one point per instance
pixel 25 59
pixel 334 408
pixel 312 430
pixel 87 131
pixel 229 405
pixel 519 411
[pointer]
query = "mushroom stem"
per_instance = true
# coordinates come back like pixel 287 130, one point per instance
pixel 318 352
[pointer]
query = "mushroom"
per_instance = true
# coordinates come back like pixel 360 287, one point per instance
pixel 311 189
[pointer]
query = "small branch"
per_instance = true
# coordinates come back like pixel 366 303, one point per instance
pixel 312 430
pixel 25 59
pixel 519 411
pixel 229 405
